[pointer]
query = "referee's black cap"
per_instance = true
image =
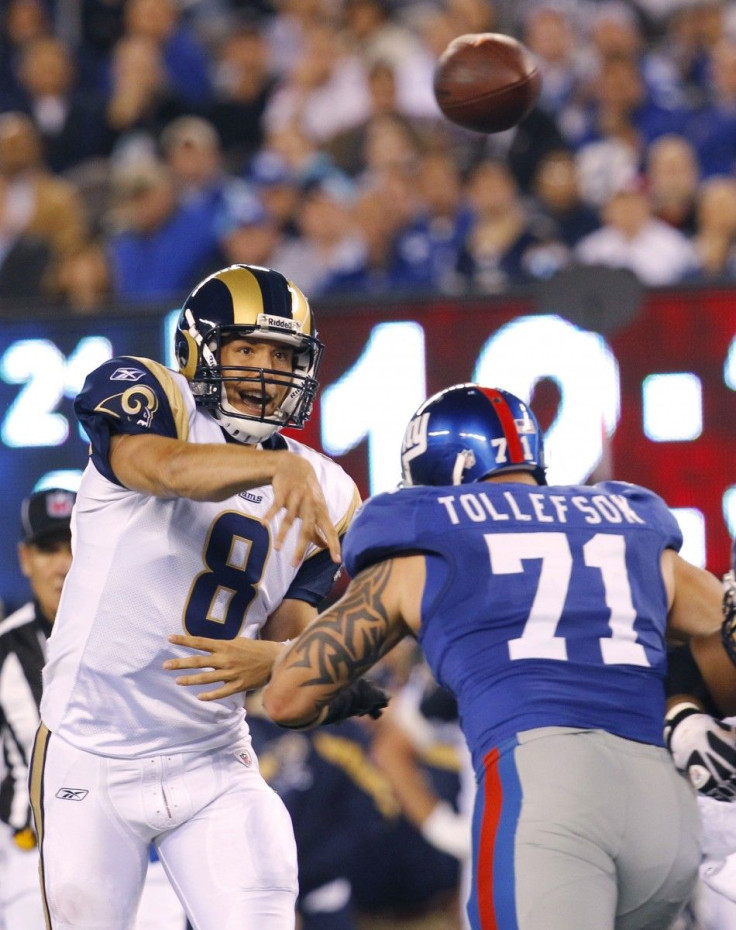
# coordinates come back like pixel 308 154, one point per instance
pixel 46 515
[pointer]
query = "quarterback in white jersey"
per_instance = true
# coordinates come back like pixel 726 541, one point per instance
pixel 209 568
pixel 194 516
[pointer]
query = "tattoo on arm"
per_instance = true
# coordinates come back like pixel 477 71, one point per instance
pixel 351 636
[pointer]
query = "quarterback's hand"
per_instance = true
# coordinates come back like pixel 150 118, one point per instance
pixel 238 664
pixel 704 748
pixel 297 492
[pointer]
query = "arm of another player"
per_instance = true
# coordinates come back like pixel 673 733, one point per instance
pixel 165 467
pixel 398 757
pixel 696 615
pixel 239 664
pixel 381 606
pixel 702 747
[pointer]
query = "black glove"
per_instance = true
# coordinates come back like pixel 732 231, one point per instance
pixel 704 749
pixel 361 698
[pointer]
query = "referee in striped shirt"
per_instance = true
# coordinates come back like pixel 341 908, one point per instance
pixel 45 557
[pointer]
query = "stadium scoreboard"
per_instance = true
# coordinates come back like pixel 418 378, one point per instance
pixel 652 401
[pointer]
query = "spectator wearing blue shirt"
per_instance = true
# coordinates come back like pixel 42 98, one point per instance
pixel 557 196
pixel 247 233
pixel 330 253
pixel 192 151
pixel 277 185
pixel 186 60
pixel 548 32
pixel 160 245
pixel 712 128
pixel 621 107
pixel 424 253
pixel 503 247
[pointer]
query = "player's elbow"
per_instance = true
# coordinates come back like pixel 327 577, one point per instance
pixel 289 707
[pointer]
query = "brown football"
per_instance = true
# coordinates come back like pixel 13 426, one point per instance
pixel 486 81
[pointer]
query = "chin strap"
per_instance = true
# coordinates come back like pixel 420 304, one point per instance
pixel 463 461
pixel 232 427
pixel 243 429
pixel 207 354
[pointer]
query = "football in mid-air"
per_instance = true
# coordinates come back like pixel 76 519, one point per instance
pixel 486 81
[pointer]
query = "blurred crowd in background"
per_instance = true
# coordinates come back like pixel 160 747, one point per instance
pixel 146 142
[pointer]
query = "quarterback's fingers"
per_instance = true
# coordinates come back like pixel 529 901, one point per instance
pixel 295 502
pixel 202 678
pixel 316 526
pixel 328 537
pixel 305 537
pixel 224 691
pixel 286 523
pixel 195 661
pixel 318 531
pixel 195 642
pixel 277 505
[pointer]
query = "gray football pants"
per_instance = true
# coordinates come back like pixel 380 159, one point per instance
pixel 581 830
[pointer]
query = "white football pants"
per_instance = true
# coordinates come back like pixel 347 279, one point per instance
pixel 223 836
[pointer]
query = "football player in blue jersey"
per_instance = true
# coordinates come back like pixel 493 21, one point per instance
pixel 195 515
pixel 545 611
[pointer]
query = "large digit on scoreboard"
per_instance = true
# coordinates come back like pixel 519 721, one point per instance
pixel 582 364
pixel 47 376
pixel 375 400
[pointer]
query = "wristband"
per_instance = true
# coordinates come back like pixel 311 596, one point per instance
pixel 675 715
pixel 447 831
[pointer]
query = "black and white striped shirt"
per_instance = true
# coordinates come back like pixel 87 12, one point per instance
pixel 23 637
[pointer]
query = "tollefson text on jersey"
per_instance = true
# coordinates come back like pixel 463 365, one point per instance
pixel 478 507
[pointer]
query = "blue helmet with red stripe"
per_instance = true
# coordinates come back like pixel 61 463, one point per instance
pixel 467 432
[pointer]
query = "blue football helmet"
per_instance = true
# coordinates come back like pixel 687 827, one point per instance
pixel 467 432
pixel 257 303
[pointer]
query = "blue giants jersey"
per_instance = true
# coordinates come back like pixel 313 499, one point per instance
pixel 543 606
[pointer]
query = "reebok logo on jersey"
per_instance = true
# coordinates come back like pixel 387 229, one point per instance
pixel 72 794
pixel 253 498
pixel 127 374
